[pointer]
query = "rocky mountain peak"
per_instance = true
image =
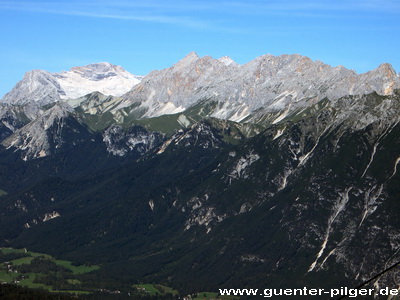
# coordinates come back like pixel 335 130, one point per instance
pixel 99 71
pixel 33 139
pixel 312 175
pixel 45 87
pixel 387 70
pixel 187 60
pixel 269 83
pixel 38 86
pixel 191 56
pixel 102 77
pixel 383 80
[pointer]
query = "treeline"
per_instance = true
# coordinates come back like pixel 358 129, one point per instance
pixel 60 278
pixel 41 264
pixel 10 256
pixel 14 292
pixel 104 296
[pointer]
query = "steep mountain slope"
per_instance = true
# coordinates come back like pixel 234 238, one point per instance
pixel 13 117
pixel 33 139
pixel 37 86
pixel 163 185
pixel 101 77
pixel 44 87
pixel 298 202
pixel 270 83
pixel 217 87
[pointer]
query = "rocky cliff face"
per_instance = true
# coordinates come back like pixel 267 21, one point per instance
pixel 270 83
pixel 120 142
pixel 305 199
pixel 239 92
pixel 44 87
pixel 105 78
pixel 34 139
pixel 36 86
pixel 303 191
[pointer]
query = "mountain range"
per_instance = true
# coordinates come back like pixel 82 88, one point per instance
pixel 281 172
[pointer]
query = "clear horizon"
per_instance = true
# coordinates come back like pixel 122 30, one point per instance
pixel 141 37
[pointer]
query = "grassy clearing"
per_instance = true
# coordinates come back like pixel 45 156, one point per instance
pixel 74 281
pixel 28 282
pixel 20 261
pixel 77 292
pixel 25 252
pixel 31 255
pixel 67 283
pixel 211 295
pixel 6 276
pixel 155 289
pixel 167 124
pixel 11 250
pixel 206 295
pixel 168 290
pixel 148 288
pixel 76 269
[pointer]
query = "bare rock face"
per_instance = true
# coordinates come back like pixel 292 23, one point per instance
pixel 264 91
pixel 105 78
pixel 13 117
pixel 136 139
pixel 44 87
pixel 309 195
pixel 268 82
pixel 33 139
pixel 36 86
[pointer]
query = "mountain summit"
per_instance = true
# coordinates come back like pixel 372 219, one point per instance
pixel 45 87
pixel 266 90
pixel 104 77
pixel 268 83
pixel 282 172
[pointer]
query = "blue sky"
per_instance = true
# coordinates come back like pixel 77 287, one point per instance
pixel 152 34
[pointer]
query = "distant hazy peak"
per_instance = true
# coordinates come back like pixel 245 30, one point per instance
pixel 38 86
pixel 98 71
pixel 44 87
pixel 103 77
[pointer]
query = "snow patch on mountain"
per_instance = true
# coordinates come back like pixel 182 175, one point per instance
pixel 44 87
pixel 267 84
pixel 102 77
